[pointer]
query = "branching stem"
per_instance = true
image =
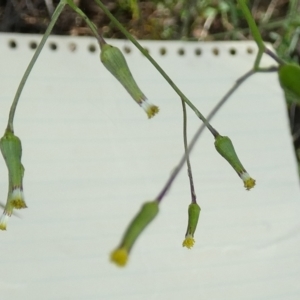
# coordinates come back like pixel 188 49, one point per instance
pixel 274 56
pixel 91 25
pixel 181 163
pixel 159 69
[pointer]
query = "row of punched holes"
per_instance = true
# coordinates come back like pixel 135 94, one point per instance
pixel 92 48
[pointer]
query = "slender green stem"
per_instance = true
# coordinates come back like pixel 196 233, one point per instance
pixel 156 65
pixel 258 59
pixel 188 163
pixel 274 56
pixel 196 136
pixel 12 111
pixel 255 32
pixel 91 25
pixel 251 23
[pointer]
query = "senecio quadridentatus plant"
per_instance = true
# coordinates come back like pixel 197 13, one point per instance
pixel 114 61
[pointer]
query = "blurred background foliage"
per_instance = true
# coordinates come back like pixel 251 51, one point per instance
pixel 278 20
pixel 195 20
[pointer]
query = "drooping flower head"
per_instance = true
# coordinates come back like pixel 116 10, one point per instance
pixel 147 213
pixel 193 217
pixel 11 150
pixel 114 61
pixel 225 147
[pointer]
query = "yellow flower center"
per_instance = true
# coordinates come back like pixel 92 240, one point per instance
pixel 119 257
pixel 188 242
pixel 249 183
pixel 152 111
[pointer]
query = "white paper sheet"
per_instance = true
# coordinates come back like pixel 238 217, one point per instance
pixel 92 158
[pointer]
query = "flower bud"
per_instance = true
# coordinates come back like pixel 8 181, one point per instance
pixel 11 149
pixel 194 213
pixel 114 61
pixel 289 78
pixel 225 147
pixel 147 213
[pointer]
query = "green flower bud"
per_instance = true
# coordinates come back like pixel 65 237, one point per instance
pixel 289 78
pixel 225 147
pixel 114 61
pixel 11 149
pixel 194 213
pixel 147 213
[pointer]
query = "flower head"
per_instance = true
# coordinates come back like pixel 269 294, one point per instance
pixel 115 62
pixel 11 150
pixel 225 147
pixel 147 213
pixel 193 217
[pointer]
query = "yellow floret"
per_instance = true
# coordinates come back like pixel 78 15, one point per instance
pixel 188 242
pixel 3 220
pixel 2 226
pixel 119 257
pixel 18 203
pixel 249 183
pixel 152 111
